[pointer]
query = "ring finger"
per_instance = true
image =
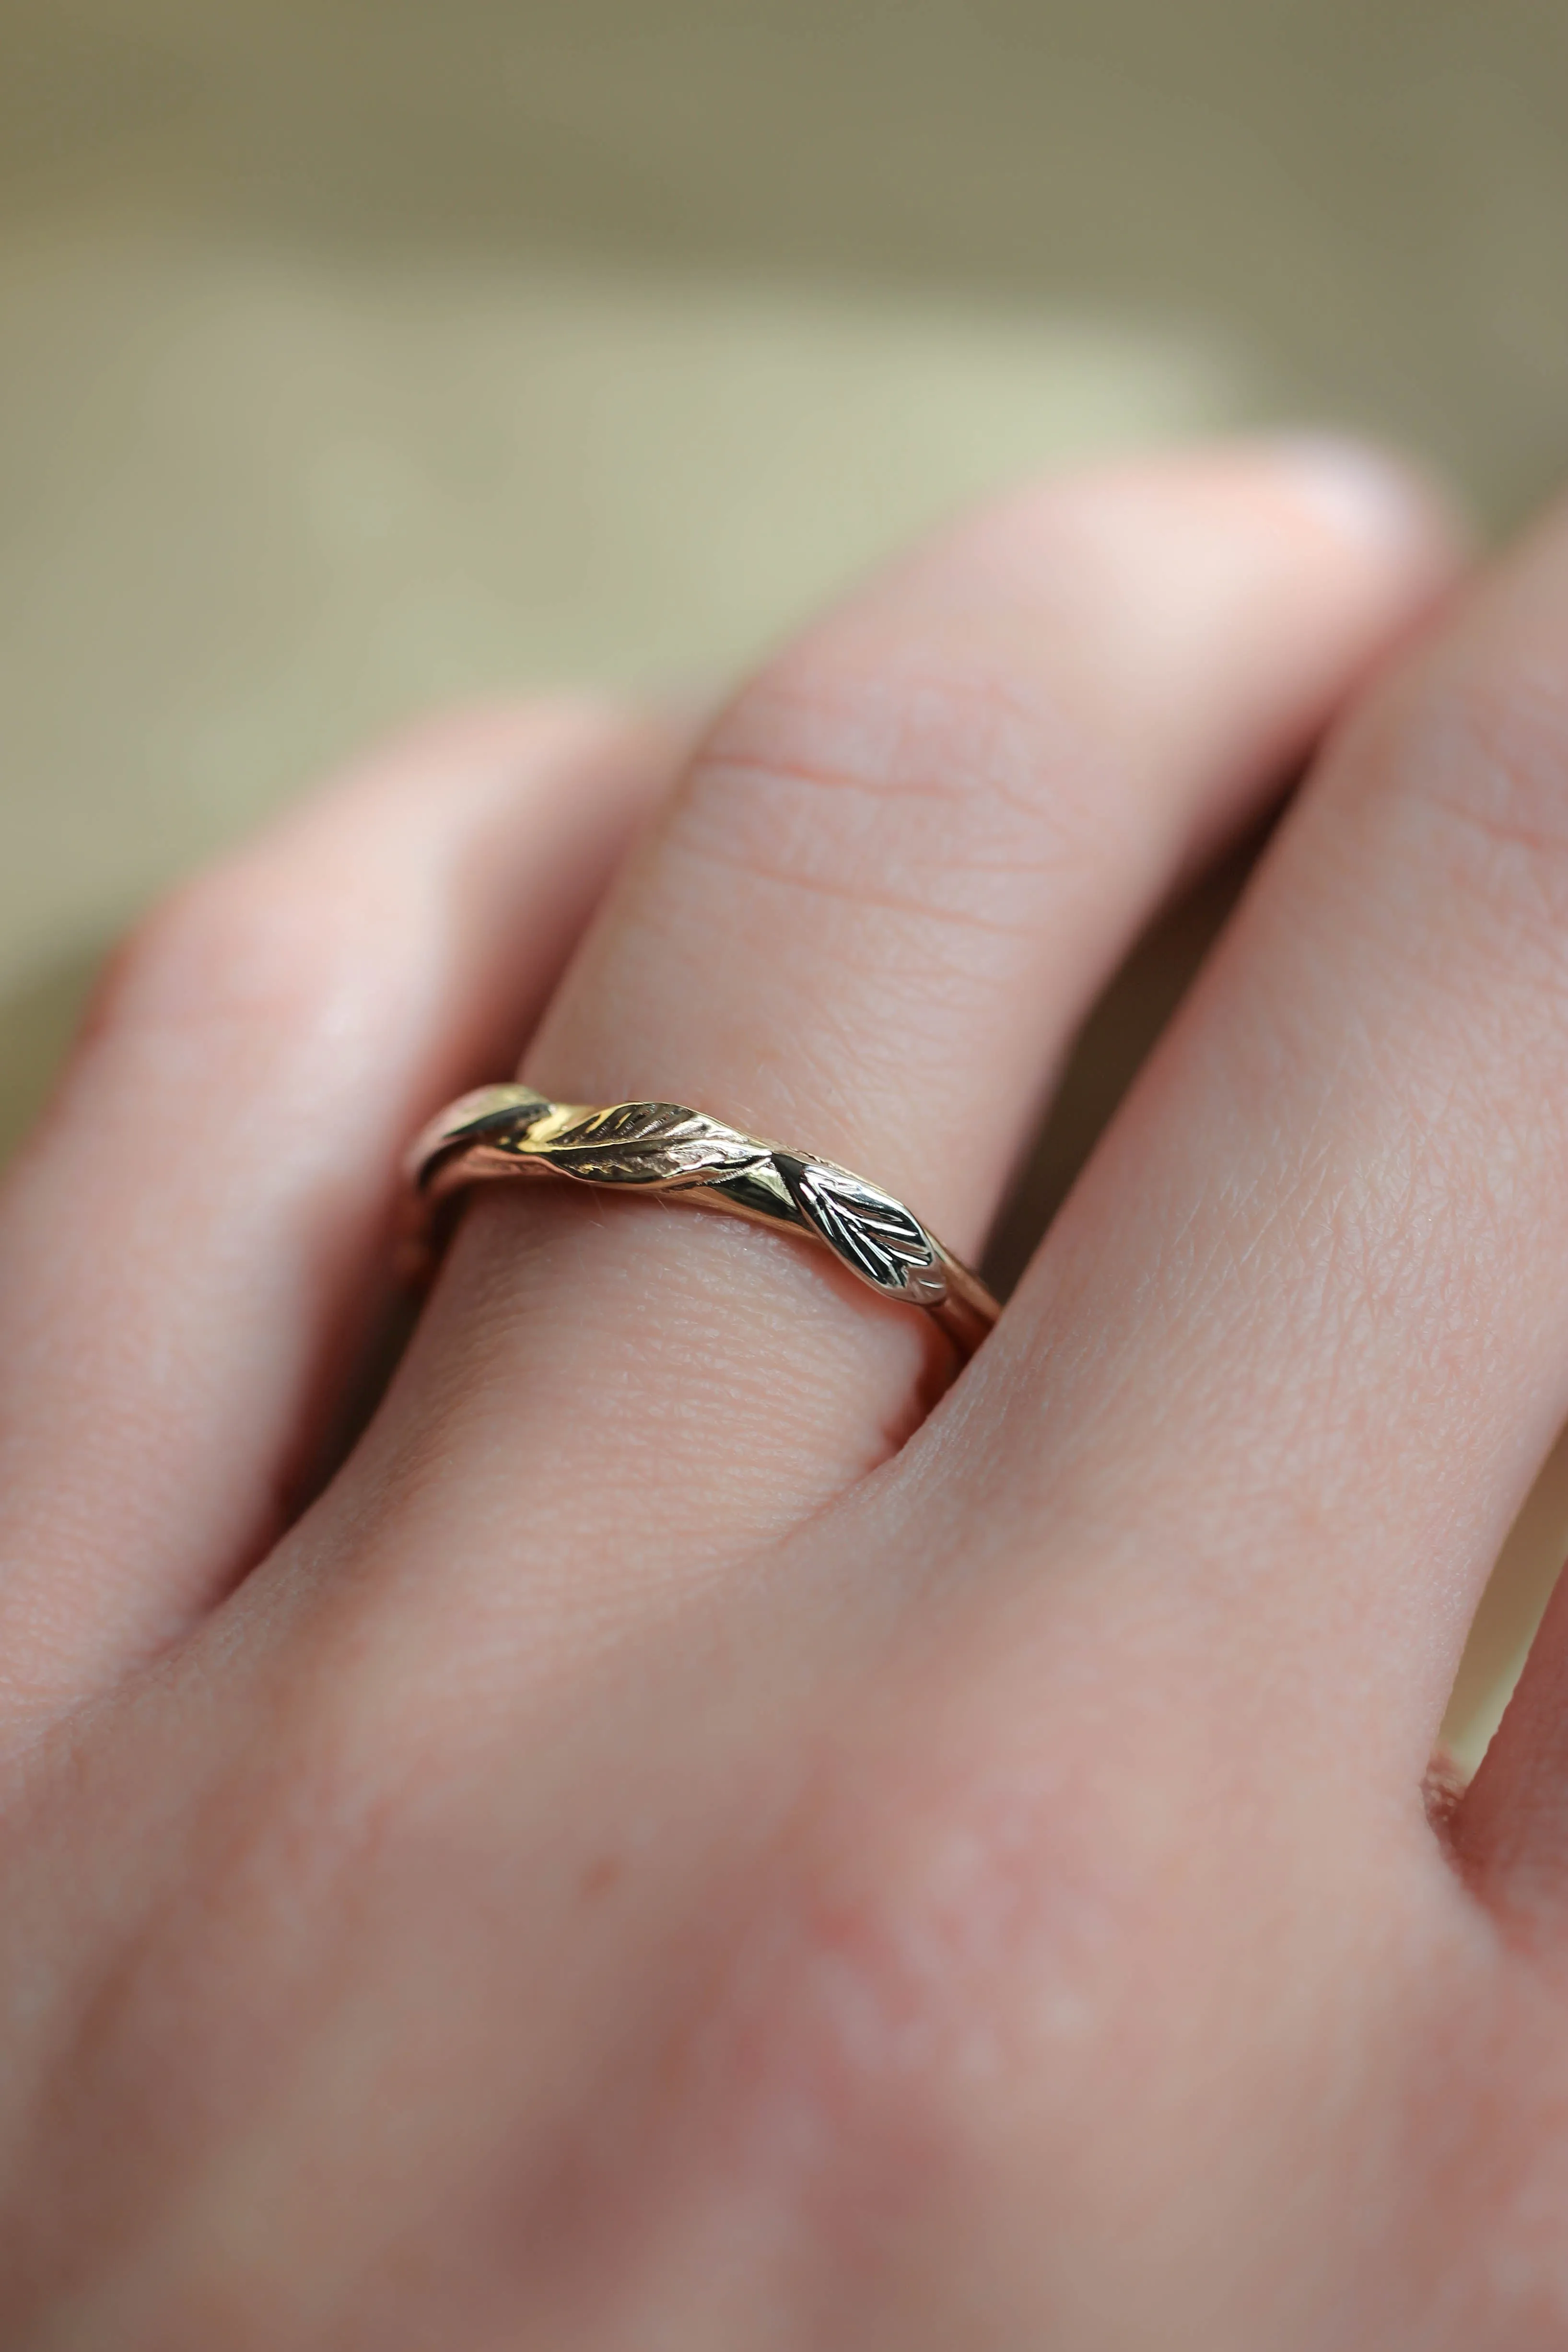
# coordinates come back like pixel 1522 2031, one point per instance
pixel 868 923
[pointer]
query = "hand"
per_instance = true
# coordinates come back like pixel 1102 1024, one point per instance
pixel 694 1838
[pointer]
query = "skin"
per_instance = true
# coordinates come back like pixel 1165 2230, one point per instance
pixel 699 1833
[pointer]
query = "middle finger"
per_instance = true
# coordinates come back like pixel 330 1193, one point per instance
pixel 1316 1281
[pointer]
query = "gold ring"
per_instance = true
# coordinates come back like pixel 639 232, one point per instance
pixel 682 1155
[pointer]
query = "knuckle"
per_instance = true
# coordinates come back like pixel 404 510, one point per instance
pixel 237 960
pixel 925 1940
pixel 288 937
pixel 934 783
pixel 327 1790
pixel 1486 749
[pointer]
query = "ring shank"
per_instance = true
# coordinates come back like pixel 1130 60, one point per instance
pixel 510 1133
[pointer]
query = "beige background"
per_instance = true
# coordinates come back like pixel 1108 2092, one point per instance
pixel 361 353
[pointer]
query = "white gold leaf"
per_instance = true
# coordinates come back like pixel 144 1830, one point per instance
pixel 872 1233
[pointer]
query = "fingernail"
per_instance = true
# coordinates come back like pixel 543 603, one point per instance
pixel 1366 492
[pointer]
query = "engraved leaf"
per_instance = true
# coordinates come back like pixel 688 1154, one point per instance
pixel 871 1231
pixel 648 1143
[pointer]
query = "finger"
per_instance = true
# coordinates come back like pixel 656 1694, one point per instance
pixel 186 1244
pixel 1318 1272
pixel 866 925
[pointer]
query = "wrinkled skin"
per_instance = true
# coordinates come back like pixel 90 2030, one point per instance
pixel 699 1833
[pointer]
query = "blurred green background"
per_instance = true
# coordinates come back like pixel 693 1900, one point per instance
pixel 360 354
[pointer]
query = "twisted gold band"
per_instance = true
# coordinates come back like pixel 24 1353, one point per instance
pixel 662 1148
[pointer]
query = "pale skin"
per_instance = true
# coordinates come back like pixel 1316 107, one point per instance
pixel 698 1834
